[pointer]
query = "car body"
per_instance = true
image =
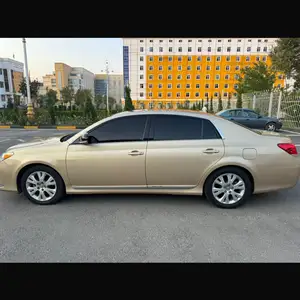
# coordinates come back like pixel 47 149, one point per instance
pixel 251 119
pixel 160 152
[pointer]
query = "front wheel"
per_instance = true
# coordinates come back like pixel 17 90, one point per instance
pixel 42 185
pixel 270 126
pixel 228 187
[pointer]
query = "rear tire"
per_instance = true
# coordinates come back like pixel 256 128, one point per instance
pixel 228 187
pixel 42 185
pixel 270 126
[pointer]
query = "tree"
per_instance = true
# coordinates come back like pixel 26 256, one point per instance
pixel 34 89
pixel 285 58
pixel 211 109
pixel 80 98
pixel 128 102
pixel 202 104
pixel 228 101
pixel 239 101
pixel 67 95
pixel 89 109
pixel 220 104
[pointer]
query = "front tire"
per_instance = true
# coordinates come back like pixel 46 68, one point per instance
pixel 270 126
pixel 228 187
pixel 42 185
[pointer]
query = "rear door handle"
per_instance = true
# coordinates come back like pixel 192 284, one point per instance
pixel 211 151
pixel 135 153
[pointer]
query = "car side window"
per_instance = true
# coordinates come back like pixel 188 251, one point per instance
pixel 239 113
pixel 229 113
pixel 251 114
pixel 129 128
pixel 168 127
pixel 209 131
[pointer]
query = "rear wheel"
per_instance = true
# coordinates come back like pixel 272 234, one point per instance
pixel 42 185
pixel 228 187
pixel 270 126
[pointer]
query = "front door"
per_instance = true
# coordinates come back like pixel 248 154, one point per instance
pixel 115 158
pixel 181 149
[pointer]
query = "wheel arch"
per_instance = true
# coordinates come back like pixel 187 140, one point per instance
pixel 26 167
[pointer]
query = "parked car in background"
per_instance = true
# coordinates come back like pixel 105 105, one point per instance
pixel 157 152
pixel 251 119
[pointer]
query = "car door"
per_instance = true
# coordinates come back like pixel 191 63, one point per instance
pixel 116 158
pixel 253 120
pixel 179 151
pixel 240 117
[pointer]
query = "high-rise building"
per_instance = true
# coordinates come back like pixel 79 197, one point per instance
pixel 74 77
pixel 115 85
pixel 174 70
pixel 11 75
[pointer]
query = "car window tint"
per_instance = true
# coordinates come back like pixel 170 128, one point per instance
pixel 228 113
pixel 251 114
pixel 121 129
pixel 239 113
pixel 165 127
pixel 209 131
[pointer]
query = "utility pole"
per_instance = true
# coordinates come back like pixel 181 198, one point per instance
pixel 30 111
pixel 107 72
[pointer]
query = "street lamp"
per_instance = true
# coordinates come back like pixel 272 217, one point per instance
pixel 29 103
pixel 107 74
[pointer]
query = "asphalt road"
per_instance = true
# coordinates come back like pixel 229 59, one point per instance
pixel 143 228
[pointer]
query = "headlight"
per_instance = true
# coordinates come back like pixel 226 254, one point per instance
pixel 6 155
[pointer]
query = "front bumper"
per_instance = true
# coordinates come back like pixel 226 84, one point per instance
pixel 7 179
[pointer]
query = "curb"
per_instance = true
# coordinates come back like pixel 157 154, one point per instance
pixel 41 127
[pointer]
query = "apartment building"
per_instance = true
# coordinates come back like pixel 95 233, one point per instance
pixel 65 75
pixel 115 85
pixel 11 75
pixel 174 70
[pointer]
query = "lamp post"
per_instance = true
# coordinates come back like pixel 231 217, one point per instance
pixel 107 78
pixel 30 112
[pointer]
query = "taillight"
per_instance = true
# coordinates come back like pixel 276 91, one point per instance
pixel 288 147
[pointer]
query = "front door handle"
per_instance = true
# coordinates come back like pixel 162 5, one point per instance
pixel 211 151
pixel 135 153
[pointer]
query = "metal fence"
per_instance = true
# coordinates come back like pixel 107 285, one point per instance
pixel 276 104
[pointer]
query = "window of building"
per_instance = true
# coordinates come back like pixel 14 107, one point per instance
pixel 198 77
pixel 160 68
pixel 150 77
pixel 238 58
pixel 216 86
pixel 236 76
pixel 180 41
pixel 150 49
pixel 207 68
pixel 207 85
pixel 206 95
pixel 150 94
pixel 189 49
pixel 179 68
pixel 169 95
pixel 170 41
pixel 159 95
pixel 197 94
pixel 227 58
pixel 218 68
pixel 216 94
pixel 178 77
pixel 188 86
pixel 238 49
pixel 169 85
pixel 258 49
pixel 142 76
pixel 248 49
pixel 160 77
pixel 142 68
pixel 150 86
pixel 198 86
pixel 141 49
pixel 209 41
pixel 259 41
pixel 264 58
pixel 1 85
pixel 208 58
pixel 189 58
pixel 189 41
pixel 198 68
pixel 160 86
pixel 199 49
pixel 217 77
pixel 150 68
pixel 235 86
pixel 170 49
pixel 130 128
pixel 187 94
pixel 226 77
pixel 225 94
pixel 178 86
pixel 141 58
pixel 227 68
pixel 161 49
pixel 228 49
pixel 179 49
pixel 265 49
pixel 169 68
pixel 179 58
pixel 189 68
pixel 141 85
pixel 279 86
pixel 218 58
pixel 266 41
pixel 234 95
pixel 151 41
pixel 219 41
pixel 247 58
pixel 237 68
pixel 257 58
pixel 199 58
pixel 280 77
pixel 249 40
pixel 141 94
pixel 170 58
pixel 209 49
pixel 188 77
pixel 160 59
pixel 0 71
pixel 169 77
pixel 219 49
pixel 199 41
pixel 160 41
pixel 178 95
pixel 207 77
pixel 226 85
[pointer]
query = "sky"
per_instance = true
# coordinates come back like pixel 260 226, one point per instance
pixel 42 53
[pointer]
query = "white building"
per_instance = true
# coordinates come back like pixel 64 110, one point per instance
pixel 11 75
pixel 80 78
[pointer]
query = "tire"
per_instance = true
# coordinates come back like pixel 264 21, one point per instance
pixel 52 191
pixel 213 182
pixel 271 126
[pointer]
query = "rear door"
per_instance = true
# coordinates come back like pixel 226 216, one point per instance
pixel 179 150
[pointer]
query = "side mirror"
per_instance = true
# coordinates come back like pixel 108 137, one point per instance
pixel 259 117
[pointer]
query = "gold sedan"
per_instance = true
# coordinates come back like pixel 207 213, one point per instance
pixel 166 152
